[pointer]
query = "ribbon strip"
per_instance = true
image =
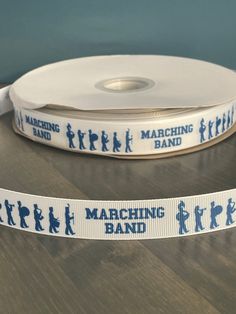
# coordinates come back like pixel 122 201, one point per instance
pixel 141 134
pixel 116 220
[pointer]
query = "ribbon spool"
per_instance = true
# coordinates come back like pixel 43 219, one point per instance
pixel 126 106
pixel 141 219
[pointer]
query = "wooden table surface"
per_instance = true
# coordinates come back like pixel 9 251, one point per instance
pixel 41 274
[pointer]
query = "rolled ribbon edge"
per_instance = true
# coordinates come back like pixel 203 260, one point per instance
pixel 132 139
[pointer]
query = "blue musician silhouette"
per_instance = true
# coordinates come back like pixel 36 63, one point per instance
pixel 128 141
pixel 105 141
pixel 17 118
pixel 223 122
pixel 230 210
pixel 70 135
pixel 198 216
pixel 9 209
pixel 93 137
pixel 218 123
pixel 54 223
pixel 21 122
pixel 116 143
pixel 68 219
pixel 81 139
pixel 1 220
pixel 182 216
pixel 210 126
pixel 232 115
pixel 23 212
pixel 228 119
pixel 202 130
pixel 38 217
pixel 215 211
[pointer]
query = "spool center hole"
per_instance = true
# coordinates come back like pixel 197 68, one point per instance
pixel 125 84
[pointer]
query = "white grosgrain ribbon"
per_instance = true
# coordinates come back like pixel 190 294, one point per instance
pixel 126 135
pixel 116 220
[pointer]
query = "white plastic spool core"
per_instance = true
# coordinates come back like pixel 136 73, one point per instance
pixel 125 84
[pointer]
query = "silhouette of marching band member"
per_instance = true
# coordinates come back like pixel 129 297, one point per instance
pixel 23 212
pixel 182 216
pixel 128 141
pixel 198 215
pixel 218 123
pixel 230 210
pixel 105 141
pixel 232 115
pixel 54 223
pixel 228 119
pixel 210 126
pixel 202 130
pixel 1 220
pixel 70 135
pixel 81 139
pixel 223 122
pixel 116 143
pixel 21 122
pixel 9 209
pixel 38 217
pixel 17 119
pixel 68 219
pixel 215 211
pixel 92 139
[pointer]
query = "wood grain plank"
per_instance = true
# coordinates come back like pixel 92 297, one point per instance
pixel 127 278
pixel 206 263
pixel 31 281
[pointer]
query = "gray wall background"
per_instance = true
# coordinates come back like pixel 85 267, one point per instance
pixel 33 33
